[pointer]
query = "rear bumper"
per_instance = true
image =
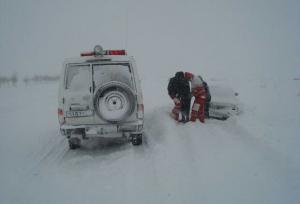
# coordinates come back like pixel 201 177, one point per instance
pixel 104 130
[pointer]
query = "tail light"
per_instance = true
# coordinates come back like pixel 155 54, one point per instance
pixel 140 109
pixel 60 112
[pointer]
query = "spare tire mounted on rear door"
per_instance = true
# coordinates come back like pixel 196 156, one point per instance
pixel 114 101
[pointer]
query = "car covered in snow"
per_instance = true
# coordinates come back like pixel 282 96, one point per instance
pixel 100 95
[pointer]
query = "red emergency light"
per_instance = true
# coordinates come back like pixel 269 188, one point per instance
pixel 84 54
pixel 115 52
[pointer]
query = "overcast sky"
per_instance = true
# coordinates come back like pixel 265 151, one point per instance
pixel 210 37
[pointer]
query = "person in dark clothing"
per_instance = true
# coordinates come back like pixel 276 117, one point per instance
pixel 179 90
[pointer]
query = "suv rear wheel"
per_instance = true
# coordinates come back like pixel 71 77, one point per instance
pixel 74 143
pixel 137 139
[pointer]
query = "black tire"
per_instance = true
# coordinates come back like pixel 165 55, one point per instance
pixel 74 143
pixel 137 139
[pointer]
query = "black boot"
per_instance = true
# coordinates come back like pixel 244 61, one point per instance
pixel 184 119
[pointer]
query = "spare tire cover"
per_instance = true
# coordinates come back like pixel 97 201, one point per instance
pixel 114 101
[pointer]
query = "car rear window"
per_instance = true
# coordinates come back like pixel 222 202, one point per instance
pixel 120 72
pixel 78 77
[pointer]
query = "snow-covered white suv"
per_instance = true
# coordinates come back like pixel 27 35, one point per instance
pixel 100 95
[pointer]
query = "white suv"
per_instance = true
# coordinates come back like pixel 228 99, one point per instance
pixel 100 95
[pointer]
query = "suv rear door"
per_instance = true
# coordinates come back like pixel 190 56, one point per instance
pixel 78 94
pixel 120 73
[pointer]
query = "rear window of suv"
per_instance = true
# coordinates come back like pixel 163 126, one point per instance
pixel 121 72
pixel 77 78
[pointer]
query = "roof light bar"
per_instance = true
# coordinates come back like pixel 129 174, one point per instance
pixel 98 51
pixel 115 52
pixel 84 54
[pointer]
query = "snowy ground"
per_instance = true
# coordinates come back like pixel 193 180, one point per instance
pixel 251 158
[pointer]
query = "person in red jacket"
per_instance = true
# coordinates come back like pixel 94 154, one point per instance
pixel 202 97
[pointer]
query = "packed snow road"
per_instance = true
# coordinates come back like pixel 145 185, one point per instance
pixel 246 159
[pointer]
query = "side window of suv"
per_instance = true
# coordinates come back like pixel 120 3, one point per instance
pixel 78 77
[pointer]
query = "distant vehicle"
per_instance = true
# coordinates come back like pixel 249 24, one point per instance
pixel 100 95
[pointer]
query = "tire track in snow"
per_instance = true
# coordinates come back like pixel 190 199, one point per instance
pixel 45 158
pixel 171 157
pixel 52 152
